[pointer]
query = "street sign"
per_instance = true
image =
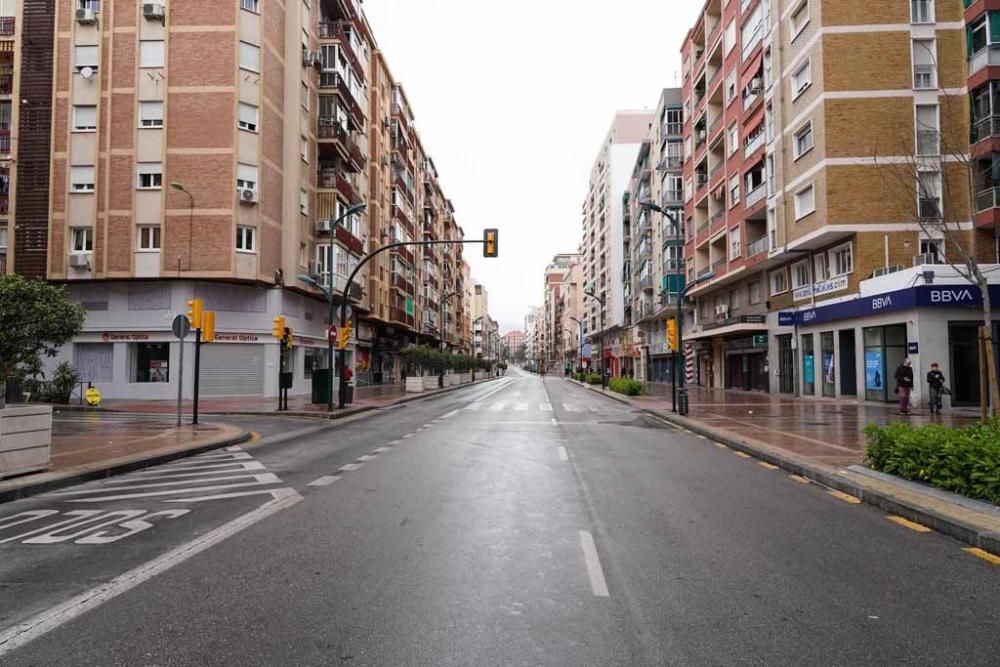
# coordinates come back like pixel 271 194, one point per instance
pixel 93 396
pixel 181 326
pixel 332 333
pixel 913 347
pixel 759 340
pixel 786 318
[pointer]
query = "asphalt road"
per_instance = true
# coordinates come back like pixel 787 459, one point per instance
pixel 523 521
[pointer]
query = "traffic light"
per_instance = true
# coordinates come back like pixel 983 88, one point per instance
pixel 490 243
pixel 208 326
pixel 278 327
pixel 343 336
pixel 195 308
pixel 288 337
pixel 672 335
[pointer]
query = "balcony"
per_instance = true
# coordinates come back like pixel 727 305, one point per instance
pixel 6 80
pixel 984 58
pixel 348 190
pixel 718 264
pixel 4 142
pixel 759 193
pixel 7 25
pixel 754 142
pixel 400 315
pixel 330 131
pixel 646 282
pixel 987 199
pixel 338 31
pixel 985 128
pixel 757 247
pixel 402 284
pixel 334 81
pixel 404 253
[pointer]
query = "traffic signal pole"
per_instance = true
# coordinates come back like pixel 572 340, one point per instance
pixel 197 373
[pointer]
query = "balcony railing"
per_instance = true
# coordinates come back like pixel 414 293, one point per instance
pixel 757 247
pixel 990 55
pixel 7 25
pixel 400 315
pixel 673 129
pixel 987 199
pixel 755 195
pixel 718 216
pixel 702 228
pixel 673 265
pixel 334 80
pixel 985 128
pixel 4 141
pixel 335 30
pixel 671 198
pixel 753 143
pixel 6 80
pixel 719 263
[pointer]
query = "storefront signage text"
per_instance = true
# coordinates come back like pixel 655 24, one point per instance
pixel 818 289
pixel 237 338
pixel 914 297
pixel 128 337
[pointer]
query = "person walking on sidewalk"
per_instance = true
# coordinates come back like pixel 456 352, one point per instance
pixel 935 379
pixel 904 384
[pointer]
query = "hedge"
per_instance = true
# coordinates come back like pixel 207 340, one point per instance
pixel 593 378
pixel 627 386
pixel 419 358
pixel 964 460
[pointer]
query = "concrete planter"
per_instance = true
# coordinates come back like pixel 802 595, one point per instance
pixel 414 384
pixel 465 378
pixel 454 379
pixel 25 439
pixel 430 382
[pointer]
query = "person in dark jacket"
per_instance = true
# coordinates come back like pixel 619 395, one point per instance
pixel 935 380
pixel 904 384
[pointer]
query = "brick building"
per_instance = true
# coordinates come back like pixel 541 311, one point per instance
pixel 203 149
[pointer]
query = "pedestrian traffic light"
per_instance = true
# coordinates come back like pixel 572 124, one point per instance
pixel 343 336
pixel 208 326
pixel 490 243
pixel 278 327
pixel 195 308
pixel 288 337
pixel 672 335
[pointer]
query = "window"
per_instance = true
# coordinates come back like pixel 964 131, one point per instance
pixel 81 239
pixel 151 53
pixel 734 190
pixel 246 176
pixel 921 11
pixel 734 138
pixel 735 246
pixel 799 19
pixel 734 300
pixel 753 289
pixel 800 274
pixel 978 34
pixel 150 175
pixel 303 254
pixel 303 201
pixel 729 38
pixel 85 56
pixel 81 179
pixel 929 195
pixel 250 5
pixel 805 202
pixel 801 78
pixel 150 114
pixel 305 96
pixel 149 237
pixel 768 69
pixel 244 238
pixel 150 362
pixel 249 57
pixel 821 267
pixel 924 57
pixel 84 118
pixel 752 32
pixel 248 117
pixel 779 282
pixel 934 249
pixel 94 5
pixel 842 259
pixel 304 148
pixel 802 140
pixel 731 87
pixel 927 129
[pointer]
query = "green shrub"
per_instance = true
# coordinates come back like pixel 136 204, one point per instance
pixel 963 460
pixel 593 378
pixel 626 386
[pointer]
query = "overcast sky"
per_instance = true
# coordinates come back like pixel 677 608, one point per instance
pixel 512 100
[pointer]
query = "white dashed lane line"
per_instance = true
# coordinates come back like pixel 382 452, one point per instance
pixel 563 455
pixel 350 467
pixel 326 480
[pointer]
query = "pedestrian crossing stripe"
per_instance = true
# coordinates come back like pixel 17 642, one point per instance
pixel 521 407
pixel 545 407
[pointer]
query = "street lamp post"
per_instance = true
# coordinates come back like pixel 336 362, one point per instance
pixel 579 338
pixel 604 370
pixel 180 186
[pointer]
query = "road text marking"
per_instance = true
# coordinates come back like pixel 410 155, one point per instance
pixel 906 523
pixel 325 480
pixel 597 583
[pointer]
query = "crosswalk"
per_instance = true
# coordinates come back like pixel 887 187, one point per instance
pixel 526 406
pixel 215 475
pixel 84 420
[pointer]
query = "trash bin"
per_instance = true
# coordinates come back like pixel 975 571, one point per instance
pixel 320 385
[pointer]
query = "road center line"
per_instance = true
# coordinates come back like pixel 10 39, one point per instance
pixel 449 414
pixel 350 467
pixel 597 583
pixel 325 480
pixel 408 435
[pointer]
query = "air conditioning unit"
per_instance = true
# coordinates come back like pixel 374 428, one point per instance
pixel 247 195
pixel 702 134
pixel 756 85
pixel 886 270
pixel 153 10
pixel 86 16
pixel 79 261
pixel 315 268
pixel 323 226
pixel 314 58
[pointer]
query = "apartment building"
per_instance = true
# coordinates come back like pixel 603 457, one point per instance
pixel 531 336
pixel 204 150
pixel 602 247
pixel 653 243
pixel 559 305
pixel 816 190
pixel 513 345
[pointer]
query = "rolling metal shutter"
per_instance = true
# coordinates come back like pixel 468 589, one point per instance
pixel 232 370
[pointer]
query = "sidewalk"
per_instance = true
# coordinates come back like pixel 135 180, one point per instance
pixel 84 451
pixel 823 441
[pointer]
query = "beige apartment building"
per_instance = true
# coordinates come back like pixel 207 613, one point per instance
pixel 824 152
pixel 204 149
pixel 562 300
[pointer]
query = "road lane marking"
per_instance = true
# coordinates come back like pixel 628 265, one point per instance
pixel 563 455
pixel 906 523
pixel 449 414
pixel 598 585
pixel 367 457
pixel 720 445
pixel 799 478
pixel 384 448
pixel 498 406
pixel 62 613
pixel 350 467
pixel 545 407
pixel 594 408
pixel 474 406
pixel 975 551
pixel 847 498
pixel 765 464
pixel 702 436
pixel 520 407
pixel 395 442
pixel 570 407
pixel 261 478
pixel 408 435
pixel 325 480
pixel 742 455
pixel 554 422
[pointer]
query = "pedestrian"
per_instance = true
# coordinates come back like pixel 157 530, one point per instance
pixel 935 379
pixel 904 383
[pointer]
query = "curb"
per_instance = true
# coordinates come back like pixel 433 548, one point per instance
pixel 963 531
pixel 119 468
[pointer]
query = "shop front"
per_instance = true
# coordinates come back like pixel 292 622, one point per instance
pixel 746 363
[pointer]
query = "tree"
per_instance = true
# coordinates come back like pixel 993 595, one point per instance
pixel 38 319
pixel 938 184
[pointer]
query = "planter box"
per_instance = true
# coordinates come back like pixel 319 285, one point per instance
pixel 414 384
pixel 25 439
pixel 430 382
pixel 466 378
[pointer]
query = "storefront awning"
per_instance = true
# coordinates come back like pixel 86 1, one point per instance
pixel 737 328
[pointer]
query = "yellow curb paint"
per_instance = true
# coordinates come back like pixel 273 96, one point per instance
pixel 254 436
pixel 742 455
pixel 702 437
pixel 845 497
pixel 720 445
pixel 765 464
pixel 906 523
pixel 985 555
pixel 799 478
